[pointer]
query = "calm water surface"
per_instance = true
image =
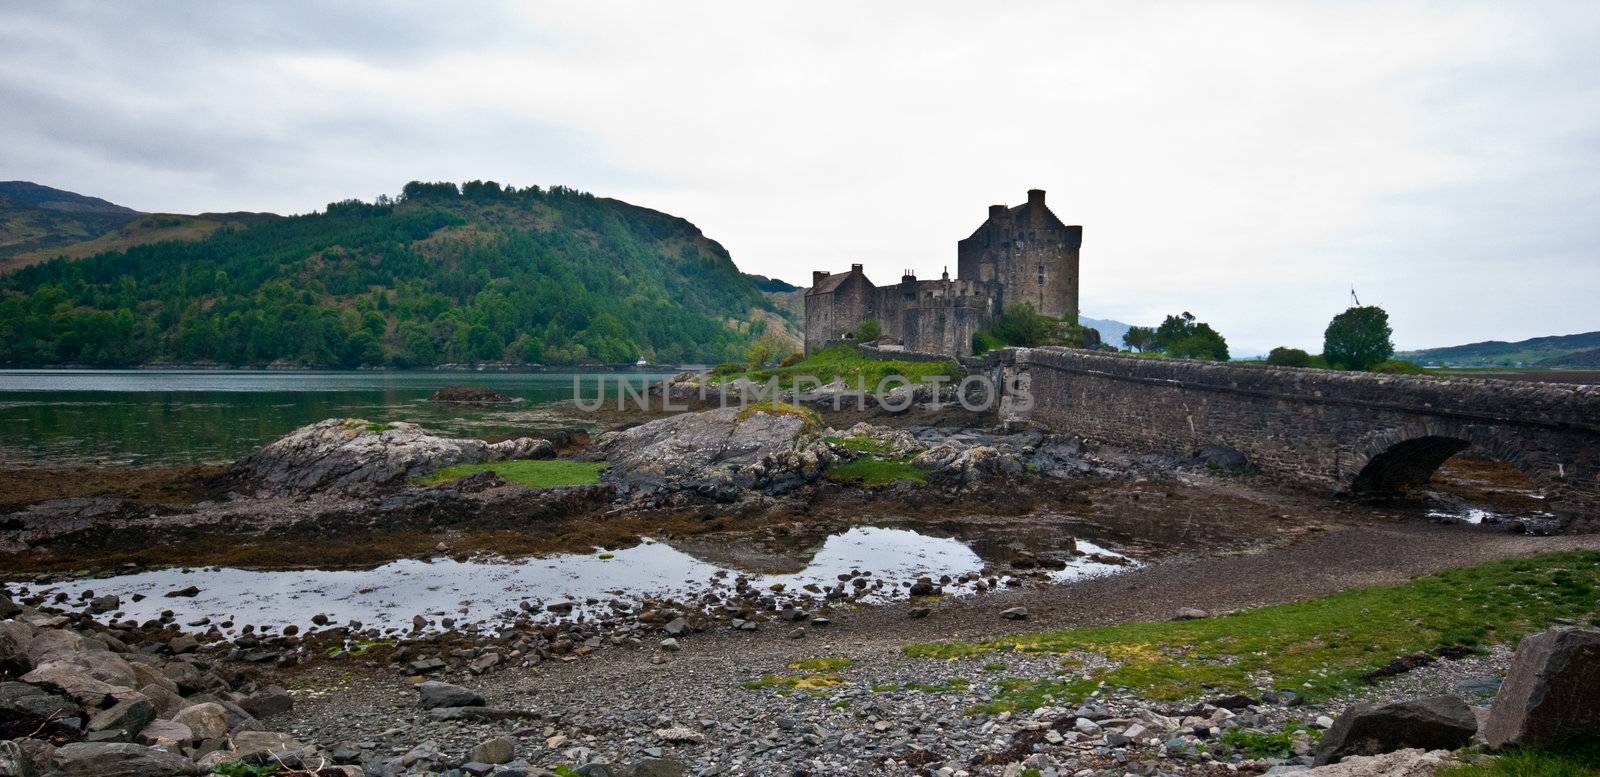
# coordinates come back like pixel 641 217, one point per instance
pixel 488 590
pixel 194 416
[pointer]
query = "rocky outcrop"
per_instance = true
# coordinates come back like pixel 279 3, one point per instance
pixel 1434 723
pixel 1411 762
pixel 352 456
pixel 1552 691
pixel 471 395
pixel 111 759
pixel 716 454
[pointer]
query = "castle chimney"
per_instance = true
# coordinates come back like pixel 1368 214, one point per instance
pixel 997 212
pixel 817 276
pixel 855 268
pixel 1035 198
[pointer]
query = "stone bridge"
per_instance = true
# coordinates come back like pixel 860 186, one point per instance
pixel 1355 434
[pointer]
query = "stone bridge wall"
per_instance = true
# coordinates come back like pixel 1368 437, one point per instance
pixel 1318 428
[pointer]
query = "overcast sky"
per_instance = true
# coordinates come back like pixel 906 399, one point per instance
pixel 1247 161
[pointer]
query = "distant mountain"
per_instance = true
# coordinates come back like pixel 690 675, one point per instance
pixel 1111 332
pixel 34 217
pixel 440 274
pixel 38 223
pixel 773 285
pixel 1496 353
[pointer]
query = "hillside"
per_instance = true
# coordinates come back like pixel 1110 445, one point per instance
pixel 39 218
pixel 1589 358
pixel 440 274
pixel 1495 353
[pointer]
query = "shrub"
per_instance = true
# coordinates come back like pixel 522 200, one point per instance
pixel 792 359
pixel 1288 357
pixel 1398 367
pixel 868 331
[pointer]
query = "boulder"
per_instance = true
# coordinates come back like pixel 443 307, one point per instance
pixel 25 757
pixel 1220 458
pixel 1551 692
pixel 268 701
pixel 1433 723
pixel 208 720
pixel 247 743
pixel 717 454
pixel 71 679
pixel 657 767
pixel 1410 762
pixel 164 732
pixel 439 694
pixel 14 639
pixel 122 720
pixel 499 750
pixel 353 456
pixel 167 701
pixel 24 708
pixel 116 759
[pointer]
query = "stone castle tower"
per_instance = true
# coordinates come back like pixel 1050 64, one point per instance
pixel 1020 254
pixel 1030 253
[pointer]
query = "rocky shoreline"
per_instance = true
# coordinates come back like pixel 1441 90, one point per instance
pixel 720 678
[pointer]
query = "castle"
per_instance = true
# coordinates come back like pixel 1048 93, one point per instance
pixel 1020 254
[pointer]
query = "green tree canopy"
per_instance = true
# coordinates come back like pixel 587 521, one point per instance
pixel 1288 357
pixel 1186 338
pixel 1140 338
pixel 1358 339
pixel 868 331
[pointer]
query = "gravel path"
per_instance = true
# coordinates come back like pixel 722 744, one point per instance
pixel 620 704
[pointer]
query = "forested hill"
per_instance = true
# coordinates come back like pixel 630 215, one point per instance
pixel 1497 353
pixel 440 274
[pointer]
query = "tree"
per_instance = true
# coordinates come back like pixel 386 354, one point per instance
pixel 763 351
pixel 1186 338
pixel 1021 326
pixel 1358 338
pixel 1140 338
pixel 868 331
pixel 1288 357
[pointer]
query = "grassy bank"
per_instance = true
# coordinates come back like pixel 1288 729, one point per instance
pixel 549 473
pixel 1318 648
pixel 876 465
pixel 843 363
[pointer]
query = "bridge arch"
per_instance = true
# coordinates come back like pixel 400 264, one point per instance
pixel 1398 463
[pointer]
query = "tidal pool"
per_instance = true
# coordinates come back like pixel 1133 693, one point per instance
pixel 489 591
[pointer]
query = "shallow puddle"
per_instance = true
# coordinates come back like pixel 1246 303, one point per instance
pixel 490 590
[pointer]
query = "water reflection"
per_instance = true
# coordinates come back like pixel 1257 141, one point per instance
pixel 192 416
pixel 489 591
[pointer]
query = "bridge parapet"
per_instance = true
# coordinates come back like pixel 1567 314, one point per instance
pixel 1320 428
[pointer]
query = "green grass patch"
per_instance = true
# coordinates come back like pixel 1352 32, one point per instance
pixel 994 666
pixel 957 684
pixel 1321 647
pixel 866 446
pixel 544 473
pixel 1020 693
pixel 875 472
pixel 844 363
pixel 810 417
pixel 785 684
pixel 1266 744
pixel 816 676
pixel 1580 759
pixel 820 664
pixel 243 769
